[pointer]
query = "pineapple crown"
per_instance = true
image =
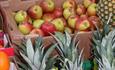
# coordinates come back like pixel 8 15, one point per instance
pixel 104 47
pixel 67 49
pixel 36 56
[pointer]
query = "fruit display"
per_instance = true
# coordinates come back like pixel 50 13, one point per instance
pixel 69 35
pixel 45 18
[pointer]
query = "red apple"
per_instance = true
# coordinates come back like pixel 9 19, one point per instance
pixel 80 9
pixel 20 16
pixel 95 21
pixel 84 16
pixel 58 12
pixel 91 11
pixel 59 24
pixel 37 23
pixel 69 4
pixel 83 24
pixel 48 28
pixel 35 12
pixel 48 17
pixel 68 12
pixel 25 28
pixel 48 5
pixel 37 32
pixel 72 21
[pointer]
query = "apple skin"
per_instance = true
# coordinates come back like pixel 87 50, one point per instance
pixel 48 5
pixel 25 28
pixel 69 30
pixel 48 17
pixel 48 28
pixel 83 24
pixel 80 9
pixel 59 24
pixel 91 10
pixel 37 32
pixel 20 16
pixel 58 12
pixel 69 4
pixel 86 3
pixel 68 12
pixel 95 21
pixel 28 19
pixel 35 12
pixel 84 16
pixel 72 21
pixel 37 23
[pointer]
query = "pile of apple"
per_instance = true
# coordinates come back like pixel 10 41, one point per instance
pixel 46 18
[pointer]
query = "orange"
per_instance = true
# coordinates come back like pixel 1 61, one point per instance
pixel 4 61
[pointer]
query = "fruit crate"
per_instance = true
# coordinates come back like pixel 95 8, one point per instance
pixel 9 6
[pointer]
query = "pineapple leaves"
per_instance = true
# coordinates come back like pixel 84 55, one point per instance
pixel 30 50
pixel 37 62
pixel 67 45
pixel 28 61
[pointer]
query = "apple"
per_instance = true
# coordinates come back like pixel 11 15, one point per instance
pixel 48 5
pixel 86 3
pixel 72 21
pixel 83 24
pixel 95 21
pixel 25 28
pixel 48 17
pixel 58 12
pixel 85 16
pixel 69 4
pixel 68 12
pixel 28 19
pixel 35 12
pixel 69 30
pixel 37 23
pixel 37 32
pixel 59 24
pixel 80 9
pixel 20 16
pixel 48 28
pixel 91 10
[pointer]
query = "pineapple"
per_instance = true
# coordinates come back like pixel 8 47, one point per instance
pixel 104 47
pixel 105 8
pixel 69 55
pixel 35 57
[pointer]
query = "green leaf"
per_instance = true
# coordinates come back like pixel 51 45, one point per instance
pixel 30 50
pixel 28 61
pixel 37 62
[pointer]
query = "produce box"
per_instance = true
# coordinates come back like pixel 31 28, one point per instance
pixel 10 6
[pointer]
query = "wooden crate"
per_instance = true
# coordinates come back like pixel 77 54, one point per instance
pixel 9 6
